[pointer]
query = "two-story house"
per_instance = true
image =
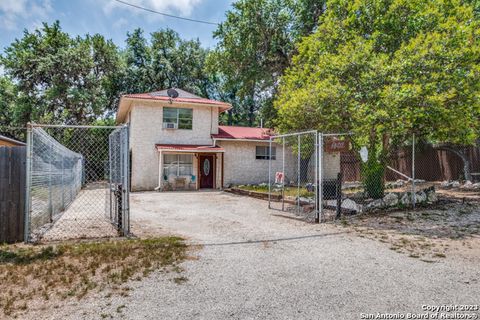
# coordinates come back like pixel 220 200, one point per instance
pixel 177 144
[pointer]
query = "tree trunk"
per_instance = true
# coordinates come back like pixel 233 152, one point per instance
pixel 467 174
pixel 251 113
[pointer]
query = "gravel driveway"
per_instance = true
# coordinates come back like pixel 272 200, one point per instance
pixel 255 265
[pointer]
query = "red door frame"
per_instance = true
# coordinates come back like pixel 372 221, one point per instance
pixel 213 158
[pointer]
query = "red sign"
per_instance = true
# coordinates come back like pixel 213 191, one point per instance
pixel 335 145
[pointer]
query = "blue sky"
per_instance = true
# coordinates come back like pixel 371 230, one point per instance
pixel 110 18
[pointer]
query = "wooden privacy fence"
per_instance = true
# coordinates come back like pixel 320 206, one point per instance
pixel 430 164
pixel 12 193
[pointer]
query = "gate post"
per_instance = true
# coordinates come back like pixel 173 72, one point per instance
pixel 126 185
pixel 50 198
pixel 28 183
pixel 63 183
pixel 269 173
pixel 320 176
pixel 298 171
pixel 283 174
pixel 414 194
pixel 317 220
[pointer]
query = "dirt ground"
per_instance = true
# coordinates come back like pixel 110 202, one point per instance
pixel 449 228
pixel 250 263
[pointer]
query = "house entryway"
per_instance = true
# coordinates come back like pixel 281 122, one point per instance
pixel 207 171
pixel 189 167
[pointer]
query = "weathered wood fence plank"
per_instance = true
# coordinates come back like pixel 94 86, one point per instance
pixel 12 193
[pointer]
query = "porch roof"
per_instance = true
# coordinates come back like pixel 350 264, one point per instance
pixel 195 148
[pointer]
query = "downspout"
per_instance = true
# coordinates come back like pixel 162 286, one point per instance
pixel 160 174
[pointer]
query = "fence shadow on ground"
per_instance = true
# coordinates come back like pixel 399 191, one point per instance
pixel 314 236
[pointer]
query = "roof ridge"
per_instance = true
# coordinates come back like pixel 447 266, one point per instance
pixel 181 93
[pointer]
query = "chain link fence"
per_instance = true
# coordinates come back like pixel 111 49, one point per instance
pixel 411 173
pixel 293 175
pixel 403 175
pixel 74 174
pixel 57 177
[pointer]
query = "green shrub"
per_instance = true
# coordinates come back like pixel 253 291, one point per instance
pixel 372 178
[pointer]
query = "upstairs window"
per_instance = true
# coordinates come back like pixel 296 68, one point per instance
pixel 263 153
pixel 177 118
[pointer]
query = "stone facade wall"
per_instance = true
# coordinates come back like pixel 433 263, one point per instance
pixel 241 167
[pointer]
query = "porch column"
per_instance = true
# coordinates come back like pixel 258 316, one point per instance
pixel 223 170
pixel 160 169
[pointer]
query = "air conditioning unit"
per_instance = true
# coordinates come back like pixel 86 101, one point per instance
pixel 170 125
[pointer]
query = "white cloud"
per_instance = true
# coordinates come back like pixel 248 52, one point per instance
pixel 119 23
pixel 13 11
pixel 180 7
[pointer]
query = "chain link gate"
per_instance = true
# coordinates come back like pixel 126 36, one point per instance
pixel 73 175
pixel 118 206
pixel 293 175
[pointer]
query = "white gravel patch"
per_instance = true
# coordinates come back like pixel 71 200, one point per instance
pixel 255 265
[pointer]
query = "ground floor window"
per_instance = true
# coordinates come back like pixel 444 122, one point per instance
pixel 263 153
pixel 177 165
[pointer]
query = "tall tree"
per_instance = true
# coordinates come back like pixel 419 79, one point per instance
pixel 256 43
pixel 62 79
pixel 385 69
pixel 164 61
pixel 8 95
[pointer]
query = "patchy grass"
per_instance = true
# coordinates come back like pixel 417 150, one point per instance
pixel 446 229
pixel 180 280
pixel 32 274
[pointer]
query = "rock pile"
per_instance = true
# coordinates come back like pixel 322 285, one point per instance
pixel 457 184
pixel 391 200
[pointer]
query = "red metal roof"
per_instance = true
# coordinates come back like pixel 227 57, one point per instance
pixel 188 147
pixel 234 132
pixel 184 97
pixel 150 96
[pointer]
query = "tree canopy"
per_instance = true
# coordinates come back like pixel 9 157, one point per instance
pixel 256 43
pixel 374 67
pixel 387 67
pixel 60 78
pixel 51 77
pixel 163 62
pixel 384 70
